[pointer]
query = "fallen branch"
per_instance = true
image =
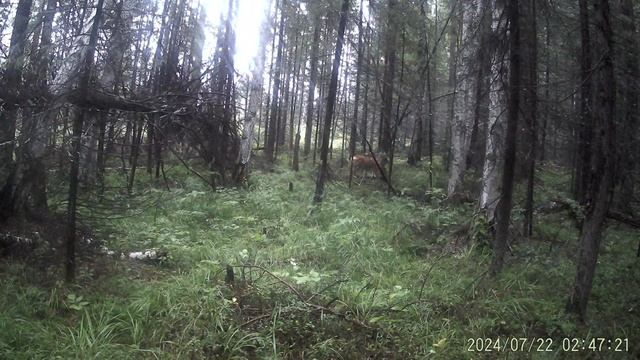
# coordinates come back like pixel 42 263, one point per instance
pixel 380 169
pixel 306 302
pixel 105 101
pixel 340 281
pixel 559 204
pixel 264 316
pixel 426 275
pixel 614 215
pixel 190 168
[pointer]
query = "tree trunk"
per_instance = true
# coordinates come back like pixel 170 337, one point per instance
pixel 388 80
pixel 456 124
pixel 503 210
pixel 397 119
pixel 136 141
pixel 294 94
pixel 331 99
pixel 531 100
pixel 630 91
pixel 251 114
pixel 417 138
pixel 318 134
pixel 603 158
pixel 269 86
pixel 585 131
pixel 83 85
pixel 494 131
pixel 547 99
pixel 272 133
pixel 313 78
pixel 475 155
pixel 284 109
pixel 353 137
pixel 244 155
pixel 12 83
pixel 28 190
pixel 296 146
pixel 365 101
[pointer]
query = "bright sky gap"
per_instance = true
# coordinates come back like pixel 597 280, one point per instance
pixel 247 23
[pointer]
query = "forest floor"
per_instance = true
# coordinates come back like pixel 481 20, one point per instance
pixel 365 276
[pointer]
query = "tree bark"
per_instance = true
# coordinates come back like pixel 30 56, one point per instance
pixel 28 190
pixel 630 91
pixel 530 98
pixel 603 164
pixel 84 79
pixel 313 78
pixel 365 101
pixel 388 80
pixel 331 99
pixel 547 99
pixel 270 86
pixel 503 210
pixel 585 131
pixel 272 133
pixel 353 137
pixel 456 124
pixel 12 85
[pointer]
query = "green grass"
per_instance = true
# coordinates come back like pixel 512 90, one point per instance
pixel 380 277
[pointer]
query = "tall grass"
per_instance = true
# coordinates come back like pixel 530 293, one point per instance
pixel 382 273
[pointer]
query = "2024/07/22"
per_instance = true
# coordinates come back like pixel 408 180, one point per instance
pixel 524 344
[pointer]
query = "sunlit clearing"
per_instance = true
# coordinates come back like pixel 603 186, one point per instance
pixel 247 24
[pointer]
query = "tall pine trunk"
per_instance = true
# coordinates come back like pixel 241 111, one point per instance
pixel 602 167
pixel 331 100
pixel 585 131
pixel 83 85
pixel 503 210
pixel 12 80
pixel 353 138
pixel 531 101
pixel 273 118
pixel 386 110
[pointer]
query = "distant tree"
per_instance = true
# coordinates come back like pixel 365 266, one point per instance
pixel 353 138
pixel 273 117
pixel 251 113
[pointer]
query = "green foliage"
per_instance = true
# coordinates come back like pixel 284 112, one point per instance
pixel 385 269
pixel 76 303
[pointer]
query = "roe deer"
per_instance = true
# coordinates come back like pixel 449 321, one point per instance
pixel 367 165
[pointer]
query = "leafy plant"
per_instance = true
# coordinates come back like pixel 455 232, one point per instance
pixel 76 302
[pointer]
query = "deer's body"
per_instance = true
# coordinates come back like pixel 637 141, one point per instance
pixel 366 164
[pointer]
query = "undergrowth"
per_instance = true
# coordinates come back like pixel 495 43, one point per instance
pixel 363 276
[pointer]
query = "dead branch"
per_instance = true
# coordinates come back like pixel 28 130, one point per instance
pixel 304 301
pixel 380 169
pixel 620 217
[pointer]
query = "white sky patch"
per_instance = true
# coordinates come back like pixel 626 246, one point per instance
pixel 247 24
